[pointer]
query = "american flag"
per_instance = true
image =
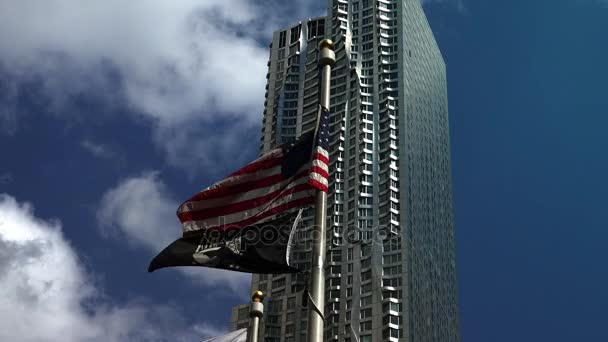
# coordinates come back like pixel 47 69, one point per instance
pixel 278 181
pixel 319 173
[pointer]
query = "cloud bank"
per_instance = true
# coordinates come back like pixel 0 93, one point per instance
pixel 174 58
pixel 174 64
pixel 140 210
pixel 46 294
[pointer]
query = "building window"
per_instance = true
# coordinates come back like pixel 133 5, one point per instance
pixel 366 313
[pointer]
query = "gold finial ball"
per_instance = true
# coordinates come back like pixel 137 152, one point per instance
pixel 326 44
pixel 258 296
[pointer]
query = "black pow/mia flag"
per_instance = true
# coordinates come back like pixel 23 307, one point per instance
pixel 261 248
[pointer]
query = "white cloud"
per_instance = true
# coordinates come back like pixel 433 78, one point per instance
pixel 175 57
pixel 141 211
pixel 212 149
pixel 176 63
pixel 46 295
pixel 139 208
pixel 97 150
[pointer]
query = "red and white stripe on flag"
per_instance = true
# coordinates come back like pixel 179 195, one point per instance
pixel 250 195
pixel 319 172
pixel 280 180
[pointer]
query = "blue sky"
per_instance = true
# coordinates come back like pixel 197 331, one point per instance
pixel 111 114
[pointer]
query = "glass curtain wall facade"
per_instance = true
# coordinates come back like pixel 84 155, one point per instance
pixel 390 268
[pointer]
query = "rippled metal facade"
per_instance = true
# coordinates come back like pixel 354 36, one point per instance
pixel 391 270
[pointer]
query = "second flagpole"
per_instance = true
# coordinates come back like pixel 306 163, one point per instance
pixel 256 312
pixel 327 59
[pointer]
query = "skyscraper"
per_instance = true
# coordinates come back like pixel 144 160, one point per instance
pixel 390 268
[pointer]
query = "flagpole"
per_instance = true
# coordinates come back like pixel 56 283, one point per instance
pixel 327 59
pixel 255 314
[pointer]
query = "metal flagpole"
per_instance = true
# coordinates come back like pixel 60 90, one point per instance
pixel 327 59
pixel 256 313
